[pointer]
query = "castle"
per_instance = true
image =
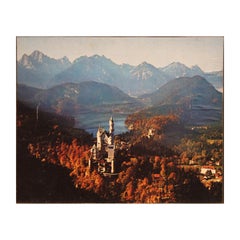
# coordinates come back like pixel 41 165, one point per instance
pixel 102 155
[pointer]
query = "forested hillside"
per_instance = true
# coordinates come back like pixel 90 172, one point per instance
pixel 52 164
pixel 39 181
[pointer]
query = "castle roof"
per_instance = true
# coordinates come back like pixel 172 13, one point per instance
pixel 101 130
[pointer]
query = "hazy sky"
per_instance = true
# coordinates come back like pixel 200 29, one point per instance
pixel 206 52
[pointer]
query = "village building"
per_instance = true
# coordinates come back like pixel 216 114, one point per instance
pixel 206 170
pixel 151 132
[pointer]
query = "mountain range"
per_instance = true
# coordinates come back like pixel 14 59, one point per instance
pixel 91 88
pixel 37 69
pixel 41 71
pixel 177 69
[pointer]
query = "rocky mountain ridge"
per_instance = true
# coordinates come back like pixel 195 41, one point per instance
pixel 39 70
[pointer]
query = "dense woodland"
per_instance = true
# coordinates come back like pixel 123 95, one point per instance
pixel 52 162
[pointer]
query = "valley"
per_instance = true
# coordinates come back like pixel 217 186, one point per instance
pixel 91 121
pixel 164 166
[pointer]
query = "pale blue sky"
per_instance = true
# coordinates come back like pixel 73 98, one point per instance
pixel 206 52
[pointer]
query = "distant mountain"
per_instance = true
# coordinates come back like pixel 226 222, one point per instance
pixel 196 70
pixel 177 69
pixel 216 79
pixel 41 71
pixel 75 98
pixel 38 69
pixel 141 79
pixel 194 99
pixel 95 68
pixel 179 89
pixel 146 78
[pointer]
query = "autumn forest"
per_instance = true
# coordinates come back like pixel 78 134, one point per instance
pixel 151 168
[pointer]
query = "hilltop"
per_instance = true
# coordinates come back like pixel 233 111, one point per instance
pixel 193 99
pixel 75 98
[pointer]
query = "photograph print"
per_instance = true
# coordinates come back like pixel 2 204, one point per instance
pixel 119 119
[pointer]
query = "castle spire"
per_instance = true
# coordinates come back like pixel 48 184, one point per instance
pixel 111 125
pixel 111 131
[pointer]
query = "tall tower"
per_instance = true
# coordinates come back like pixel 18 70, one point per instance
pixel 111 147
pixel 111 131
pixel 94 152
pixel 99 139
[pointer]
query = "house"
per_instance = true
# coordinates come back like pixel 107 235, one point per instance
pixel 205 170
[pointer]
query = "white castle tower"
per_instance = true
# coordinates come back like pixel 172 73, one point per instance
pixel 111 147
pixel 111 131
pixel 100 138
